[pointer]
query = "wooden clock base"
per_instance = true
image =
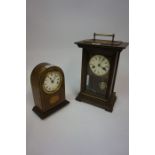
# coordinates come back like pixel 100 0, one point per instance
pixel 105 104
pixel 43 115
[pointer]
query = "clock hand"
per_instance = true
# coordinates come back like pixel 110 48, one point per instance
pixel 104 68
pixel 52 80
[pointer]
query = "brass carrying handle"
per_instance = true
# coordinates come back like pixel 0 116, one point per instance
pixel 106 35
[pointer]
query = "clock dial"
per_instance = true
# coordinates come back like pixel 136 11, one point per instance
pixel 52 82
pixel 99 65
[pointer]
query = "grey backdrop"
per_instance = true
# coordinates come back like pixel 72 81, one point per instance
pixel 78 129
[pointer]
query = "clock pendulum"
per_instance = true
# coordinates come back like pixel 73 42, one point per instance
pixel 48 87
pixel 99 67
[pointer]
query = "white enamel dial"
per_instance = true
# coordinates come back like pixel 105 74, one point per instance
pixel 52 82
pixel 99 65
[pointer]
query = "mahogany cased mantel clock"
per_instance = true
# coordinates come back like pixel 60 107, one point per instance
pixel 99 67
pixel 48 87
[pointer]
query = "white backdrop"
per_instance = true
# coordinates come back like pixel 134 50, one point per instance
pixel 78 129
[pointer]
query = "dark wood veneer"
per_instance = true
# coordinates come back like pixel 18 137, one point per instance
pixel 110 49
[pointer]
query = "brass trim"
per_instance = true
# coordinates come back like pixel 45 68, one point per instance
pixel 106 35
pixel 61 80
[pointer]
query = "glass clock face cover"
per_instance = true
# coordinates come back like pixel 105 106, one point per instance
pixel 97 74
pixel 52 82
pixel 99 65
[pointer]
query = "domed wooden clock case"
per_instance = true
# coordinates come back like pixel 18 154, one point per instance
pixel 48 87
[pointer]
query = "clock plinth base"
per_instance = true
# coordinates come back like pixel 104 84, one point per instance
pixel 105 104
pixel 43 115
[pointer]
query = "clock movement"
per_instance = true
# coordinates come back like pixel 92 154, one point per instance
pixel 99 67
pixel 48 87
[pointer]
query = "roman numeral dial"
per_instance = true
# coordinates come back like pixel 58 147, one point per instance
pixel 99 65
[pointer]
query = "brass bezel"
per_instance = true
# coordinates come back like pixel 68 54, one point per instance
pixel 54 91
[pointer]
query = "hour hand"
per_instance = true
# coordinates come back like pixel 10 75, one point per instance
pixel 52 80
pixel 104 68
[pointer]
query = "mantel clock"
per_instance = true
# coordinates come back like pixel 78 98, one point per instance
pixel 99 67
pixel 48 87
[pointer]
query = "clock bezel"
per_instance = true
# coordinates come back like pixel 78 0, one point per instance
pixel 43 76
pixel 57 89
pixel 107 61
